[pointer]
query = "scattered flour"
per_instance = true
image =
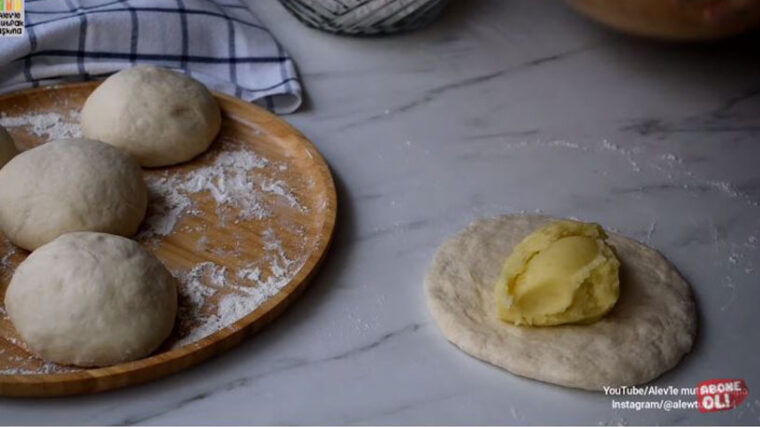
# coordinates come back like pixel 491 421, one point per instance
pixel 48 125
pixel 213 297
pixel 515 414
pixel 565 144
pixel 670 157
pixel 45 368
pixel 731 190
pixel 8 252
pixel 239 185
pixel 167 204
pixel 650 231
pixel 674 167
pixel 235 296
pixel 226 178
pixel 730 286
pixel 628 154
pixel 280 188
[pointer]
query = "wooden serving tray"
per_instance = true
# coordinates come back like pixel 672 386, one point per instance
pixel 243 228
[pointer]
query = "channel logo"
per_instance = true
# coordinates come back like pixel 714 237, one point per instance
pixel 11 5
pixel 721 395
pixel 11 18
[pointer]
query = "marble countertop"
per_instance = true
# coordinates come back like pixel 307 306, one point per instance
pixel 500 107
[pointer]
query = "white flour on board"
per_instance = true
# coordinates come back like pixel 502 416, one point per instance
pixel 46 368
pixel 227 180
pixel 47 125
pixel 239 185
pixel 238 195
pixel 246 290
pixel 280 188
pixel 212 297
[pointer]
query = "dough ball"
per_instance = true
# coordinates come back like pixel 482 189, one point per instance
pixel 652 326
pixel 92 299
pixel 70 185
pixel 158 116
pixel 7 148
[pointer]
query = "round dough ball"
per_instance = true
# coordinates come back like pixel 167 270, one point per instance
pixel 70 185
pixel 8 149
pixel 158 116
pixel 92 299
pixel 652 326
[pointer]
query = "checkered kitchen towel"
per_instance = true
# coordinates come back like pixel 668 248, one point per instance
pixel 218 42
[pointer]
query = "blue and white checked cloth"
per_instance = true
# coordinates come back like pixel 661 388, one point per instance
pixel 219 42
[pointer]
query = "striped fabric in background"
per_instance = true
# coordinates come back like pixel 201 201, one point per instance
pixel 219 42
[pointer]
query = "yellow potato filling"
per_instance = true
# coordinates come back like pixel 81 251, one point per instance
pixel 562 273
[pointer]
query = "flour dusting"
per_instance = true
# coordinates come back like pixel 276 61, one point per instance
pixel 238 268
pixel 242 186
pixel 47 125
pixel 628 154
pixel 280 188
pixel 236 294
pixel 226 179
pixel 45 368
pixel 8 253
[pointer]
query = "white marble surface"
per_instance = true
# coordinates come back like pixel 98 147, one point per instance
pixel 502 106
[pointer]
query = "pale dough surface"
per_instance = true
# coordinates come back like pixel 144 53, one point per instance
pixel 158 116
pixel 7 148
pixel 70 185
pixel 92 299
pixel 652 326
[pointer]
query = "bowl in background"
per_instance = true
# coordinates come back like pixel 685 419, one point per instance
pixel 365 17
pixel 676 20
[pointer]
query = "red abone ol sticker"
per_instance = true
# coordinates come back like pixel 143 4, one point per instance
pixel 721 395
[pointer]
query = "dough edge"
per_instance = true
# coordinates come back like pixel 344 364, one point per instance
pixel 653 325
pixel 135 110
pixel 39 295
pixel 66 177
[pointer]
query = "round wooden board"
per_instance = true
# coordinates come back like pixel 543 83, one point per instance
pixel 231 250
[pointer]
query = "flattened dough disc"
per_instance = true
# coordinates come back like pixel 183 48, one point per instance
pixel 652 326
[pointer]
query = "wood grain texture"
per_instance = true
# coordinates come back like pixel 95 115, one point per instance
pixel 304 172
